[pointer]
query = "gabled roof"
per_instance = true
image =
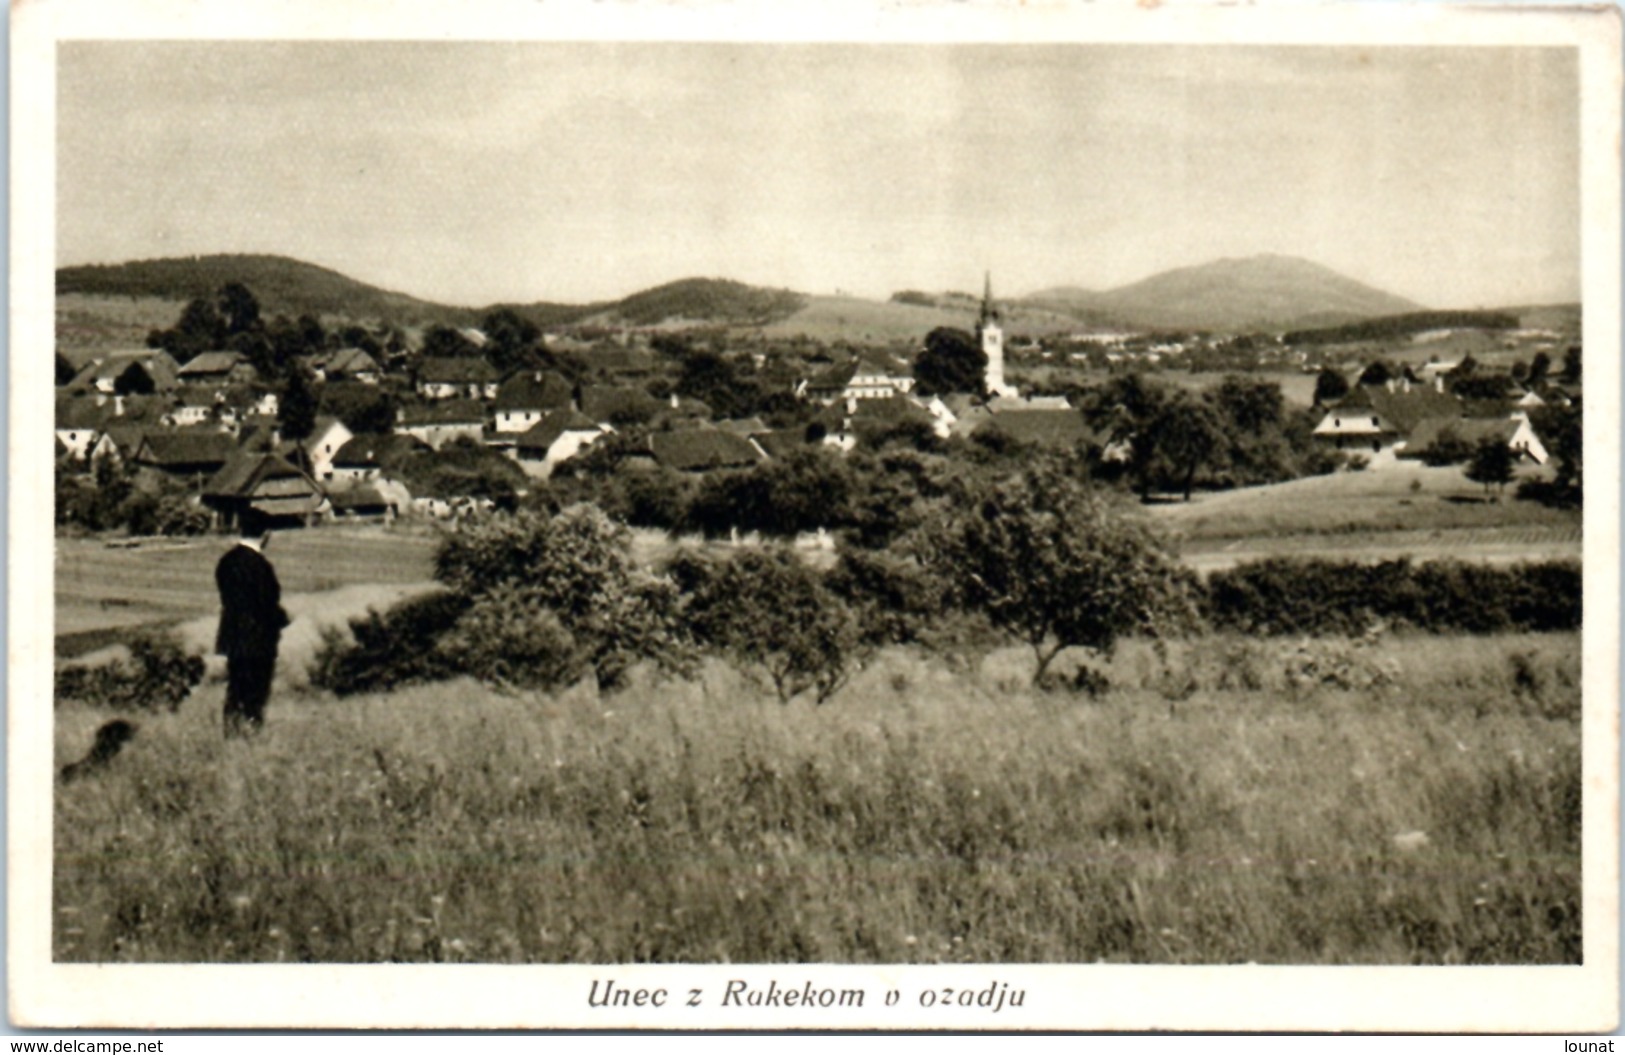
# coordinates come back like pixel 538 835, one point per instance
pixel 126 439
pixel 555 423
pixel 871 364
pixel 1402 409
pixel 697 449
pixel 210 363
pixel 1488 408
pixel 781 442
pixel 449 412
pixel 534 390
pixel 744 426
pixel 349 361
pixel 1051 428
pixel 371 449
pixel 82 413
pixel 268 482
pixel 463 370
pixel 1472 430
pixel 198 446
pixel 160 366
pixel 891 410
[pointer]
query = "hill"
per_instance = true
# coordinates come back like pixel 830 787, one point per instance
pixel 1266 292
pixel 282 285
pixel 702 301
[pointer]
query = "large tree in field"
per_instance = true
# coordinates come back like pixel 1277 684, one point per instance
pixel 1050 561
pixel 1190 435
pixel 951 361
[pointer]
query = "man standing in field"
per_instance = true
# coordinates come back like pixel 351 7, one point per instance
pixel 251 622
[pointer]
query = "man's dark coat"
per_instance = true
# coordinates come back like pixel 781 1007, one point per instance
pixel 251 615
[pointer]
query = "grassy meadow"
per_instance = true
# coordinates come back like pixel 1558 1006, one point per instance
pixel 1209 808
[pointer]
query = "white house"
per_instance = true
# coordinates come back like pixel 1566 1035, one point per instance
pixel 325 440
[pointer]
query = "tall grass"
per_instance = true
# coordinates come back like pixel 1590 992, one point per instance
pixel 1207 808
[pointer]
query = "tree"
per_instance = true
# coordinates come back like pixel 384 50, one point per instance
pixel 951 361
pixel 1189 434
pixel 512 340
pixel 1560 429
pixel 200 328
pixel 64 370
pixel 1539 368
pixel 1378 373
pixel 768 610
pixel 362 408
pixel 1330 386
pixel 296 409
pixel 1045 559
pixel 135 380
pixel 239 308
pixel 443 342
pixel 1449 447
pixel 1571 364
pixel 1491 463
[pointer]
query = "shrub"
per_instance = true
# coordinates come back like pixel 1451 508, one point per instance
pixel 578 565
pixel 768 611
pixel 158 675
pixel 1315 596
pixel 391 648
pixel 511 639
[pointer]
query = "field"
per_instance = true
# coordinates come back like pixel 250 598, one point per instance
pixel 1402 509
pixel 104 591
pixel 1207 809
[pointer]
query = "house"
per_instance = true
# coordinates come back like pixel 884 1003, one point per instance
pixel 187 456
pixel 118 441
pixel 1377 419
pixel 258 490
pixel 135 371
pixel 746 427
pixel 524 398
pixel 1516 433
pixel 348 364
pixel 1046 426
pixel 437 424
pixel 457 378
pixel 80 422
pixel 323 442
pixel 869 376
pixel 217 368
pixel 558 437
pixel 844 425
pixel 369 456
pixel 703 449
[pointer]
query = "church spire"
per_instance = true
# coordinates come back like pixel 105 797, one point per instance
pixel 988 310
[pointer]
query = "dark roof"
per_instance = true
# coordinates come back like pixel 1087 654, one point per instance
pixel 781 442
pixel 157 362
pixel 196 447
pixel 449 412
pixel 349 361
pixel 841 374
pixel 211 363
pixel 890 410
pixel 555 423
pixel 1471 430
pixel 1052 428
pixel 1488 408
pixel 697 449
pixel 463 370
pixel 82 413
pixel 126 438
pixel 534 390
pixel 371 449
pixel 1400 408
pixel 744 426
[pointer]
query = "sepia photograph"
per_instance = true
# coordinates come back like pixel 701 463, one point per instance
pixel 950 519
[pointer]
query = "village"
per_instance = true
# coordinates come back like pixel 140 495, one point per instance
pixel 378 434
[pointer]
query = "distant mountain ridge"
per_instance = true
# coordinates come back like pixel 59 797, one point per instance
pixel 1264 292
pixel 1253 293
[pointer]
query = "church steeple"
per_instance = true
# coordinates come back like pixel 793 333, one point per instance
pixel 990 311
pixel 990 334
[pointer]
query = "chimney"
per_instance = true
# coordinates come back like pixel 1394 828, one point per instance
pixel 674 401
pixel 118 406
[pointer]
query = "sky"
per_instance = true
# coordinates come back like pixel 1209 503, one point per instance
pixel 473 173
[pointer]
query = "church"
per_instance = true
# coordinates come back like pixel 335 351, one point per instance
pixel 990 335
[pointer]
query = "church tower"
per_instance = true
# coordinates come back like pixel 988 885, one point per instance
pixel 991 335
